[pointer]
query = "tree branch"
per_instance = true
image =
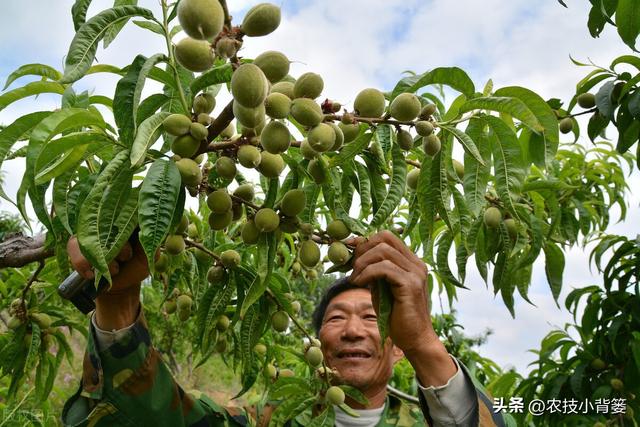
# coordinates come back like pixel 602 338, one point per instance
pixel 19 250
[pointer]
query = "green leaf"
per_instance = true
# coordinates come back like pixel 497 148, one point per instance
pixel 628 21
pixel 158 196
pixel 79 12
pixel 142 78
pixel 508 162
pixel 554 268
pixel 150 25
pixel 53 149
pixel 16 131
pixel 543 146
pixel 42 70
pixel 383 296
pixel 326 418
pixel 291 407
pixel 30 89
pixel 288 386
pixel 113 31
pixel 57 122
pixel 61 197
pixel 149 106
pixel 90 214
pixel 60 165
pixel 396 188
pixel 215 76
pixel 148 132
pixel 476 174
pixel 364 190
pixel 453 77
pixel 467 142
pixel 605 105
pixel 626 59
pixel 85 43
pixel 251 329
pixel 212 304
pixel 124 106
pixel 265 259
pixel 508 105
pixel 350 150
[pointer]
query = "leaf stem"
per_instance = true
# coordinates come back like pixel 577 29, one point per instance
pixel 172 59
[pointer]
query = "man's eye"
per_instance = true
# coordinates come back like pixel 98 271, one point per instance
pixel 335 318
pixel 371 316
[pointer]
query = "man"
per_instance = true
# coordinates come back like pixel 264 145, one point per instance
pixel 124 381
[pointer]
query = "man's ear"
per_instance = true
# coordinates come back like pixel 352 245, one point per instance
pixel 397 353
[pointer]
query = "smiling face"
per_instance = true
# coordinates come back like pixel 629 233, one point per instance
pixel 351 342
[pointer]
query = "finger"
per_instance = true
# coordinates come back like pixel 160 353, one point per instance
pixel 355 241
pixel 78 261
pixel 126 253
pixel 382 251
pixel 394 241
pixel 386 270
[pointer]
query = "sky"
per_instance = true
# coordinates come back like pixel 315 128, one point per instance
pixel 370 43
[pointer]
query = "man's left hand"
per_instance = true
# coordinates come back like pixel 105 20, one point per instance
pixel 384 256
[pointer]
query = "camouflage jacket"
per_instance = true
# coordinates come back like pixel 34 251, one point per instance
pixel 129 385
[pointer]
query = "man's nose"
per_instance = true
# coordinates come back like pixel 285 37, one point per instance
pixel 353 328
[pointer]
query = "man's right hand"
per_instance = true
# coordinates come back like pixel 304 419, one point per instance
pixel 128 268
pixel 117 307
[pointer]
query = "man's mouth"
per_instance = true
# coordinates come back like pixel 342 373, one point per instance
pixel 353 354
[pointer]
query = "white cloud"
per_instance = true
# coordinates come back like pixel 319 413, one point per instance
pixel 360 43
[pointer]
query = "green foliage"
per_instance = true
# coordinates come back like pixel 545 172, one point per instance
pixel 106 181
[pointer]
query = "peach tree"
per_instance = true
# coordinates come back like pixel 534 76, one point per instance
pixel 237 202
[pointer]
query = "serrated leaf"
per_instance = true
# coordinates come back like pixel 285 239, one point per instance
pixel 150 25
pixel 30 89
pixel 214 76
pixel 158 196
pixel 326 418
pixel 508 162
pixel 149 106
pixel 350 150
pixel 554 268
pixel 41 70
pixel 57 122
pixel 291 407
pixel 88 231
pixel 17 131
pixel 124 105
pixel 148 132
pixel 508 105
pixel 265 259
pixel 53 149
pixel 628 21
pixel 396 187
pixel 604 102
pixel 212 304
pixel 113 31
pixel 85 43
pixel 476 175
pixel 60 165
pixel 453 77
pixel 79 12
pixel 467 142
pixel 251 329
pixel 542 146
pixel 383 300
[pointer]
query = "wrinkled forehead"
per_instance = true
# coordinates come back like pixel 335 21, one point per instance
pixel 351 300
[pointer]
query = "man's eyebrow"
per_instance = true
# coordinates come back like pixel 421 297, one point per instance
pixel 344 306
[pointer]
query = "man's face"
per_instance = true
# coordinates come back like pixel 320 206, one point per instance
pixel 351 341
